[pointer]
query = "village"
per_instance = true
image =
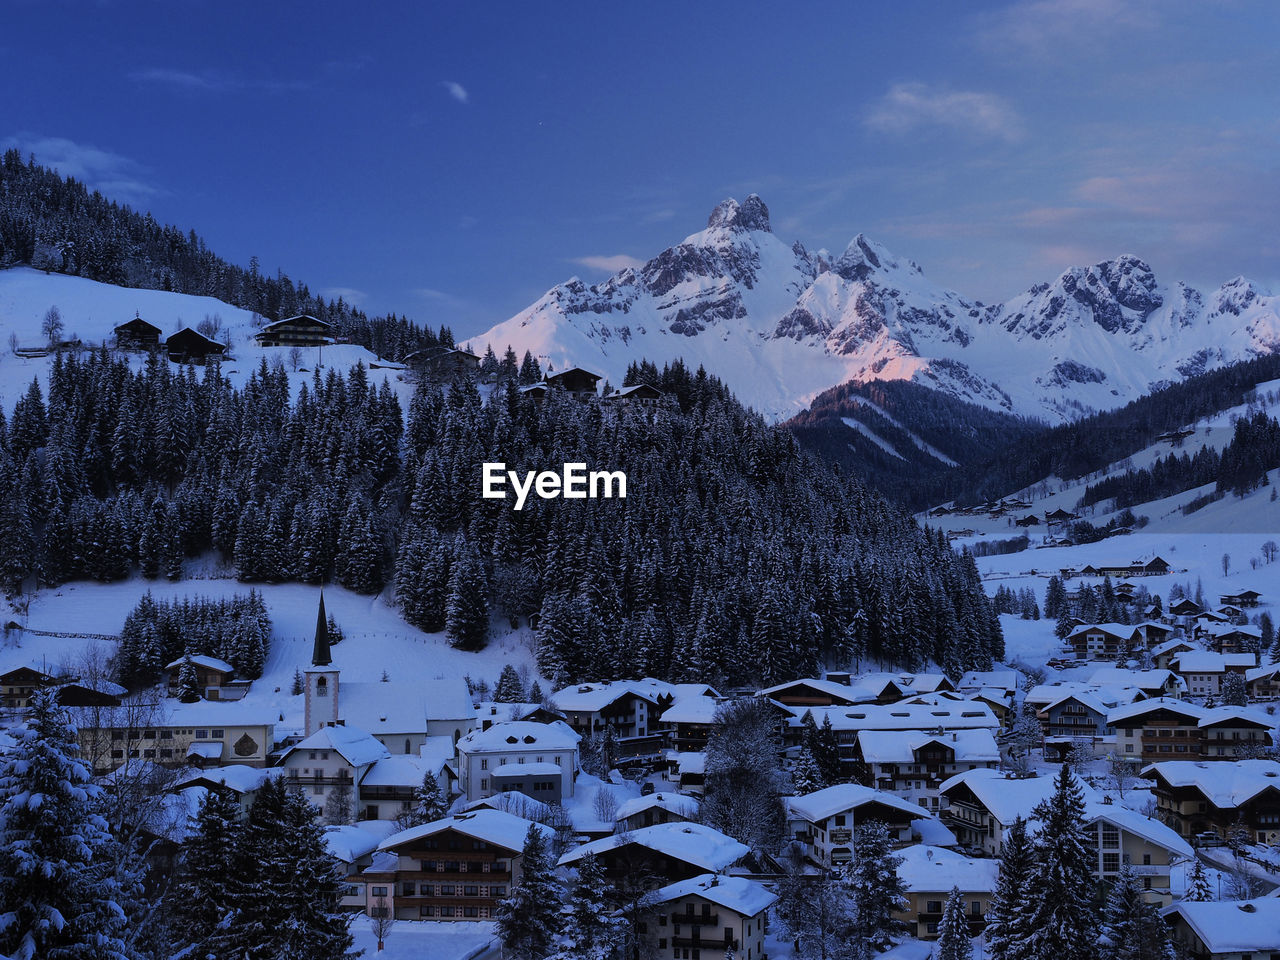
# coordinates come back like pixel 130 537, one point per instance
pixel 1168 724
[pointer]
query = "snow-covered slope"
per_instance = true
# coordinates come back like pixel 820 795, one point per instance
pixel 780 324
pixel 91 311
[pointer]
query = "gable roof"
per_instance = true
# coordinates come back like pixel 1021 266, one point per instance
pixel 1227 785
pixel 1005 797
pixel 894 746
pixel 352 744
pixel 958 715
pixel 1141 708
pixel 520 735
pixel 926 869
pixel 492 826
pixel 1232 926
pixel 843 797
pixel 840 692
pixel 200 660
pixel 692 843
pixel 742 895
pixel 682 805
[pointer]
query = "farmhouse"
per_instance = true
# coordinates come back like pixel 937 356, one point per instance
pixel 715 916
pixel 302 331
pixel 578 383
pixel 188 346
pixel 137 334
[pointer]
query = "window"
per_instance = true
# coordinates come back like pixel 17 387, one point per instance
pixel 933 906
pixel 318 789
pixel 166 734
pixel 379 891
pixel 202 734
pixel 1110 862
pixel 1110 836
pixel 471 891
pixel 484 784
pixel 484 763
pixel 470 912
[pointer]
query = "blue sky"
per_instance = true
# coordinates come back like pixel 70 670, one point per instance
pixel 453 161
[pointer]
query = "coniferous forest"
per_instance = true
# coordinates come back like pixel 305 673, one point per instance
pixel 734 554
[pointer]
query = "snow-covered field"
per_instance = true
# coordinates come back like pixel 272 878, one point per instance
pixel 91 311
pixel 426 940
pixel 377 639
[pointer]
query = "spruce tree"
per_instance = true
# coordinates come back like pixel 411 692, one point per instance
pixel 58 893
pixel 953 931
pixel 1009 919
pixel 428 804
pixel 805 776
pixel 591 932
pixel 1061 883
pixel 467 614
pixel 529 919
pixel 873 881
pixel 1198 887
pixel 188 684
pixel 1132 928
pixel 509 688
pixel 202 897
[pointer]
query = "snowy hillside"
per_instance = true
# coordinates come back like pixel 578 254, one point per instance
pixel 780 324
pixel 91 310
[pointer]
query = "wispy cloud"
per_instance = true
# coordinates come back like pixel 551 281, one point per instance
pixel 909 106
pixel 350 294
pixel 456 90
pixel 619 261
pixel 117 176
pixel 1054 28
pixel 212 81
pixel 440 297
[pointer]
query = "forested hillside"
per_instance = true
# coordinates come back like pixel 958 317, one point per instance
pixel 56 224
pixel 733 555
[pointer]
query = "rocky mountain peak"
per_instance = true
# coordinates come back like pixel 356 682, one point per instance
pixel 751 214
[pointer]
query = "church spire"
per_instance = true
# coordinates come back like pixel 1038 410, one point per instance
pixel 320 652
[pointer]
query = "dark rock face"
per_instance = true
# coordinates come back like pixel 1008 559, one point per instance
pixel 1069 371
pixel 751 214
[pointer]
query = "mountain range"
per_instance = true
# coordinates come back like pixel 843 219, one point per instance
pixel 781 324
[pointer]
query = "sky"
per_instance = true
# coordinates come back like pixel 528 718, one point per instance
pixel 452 162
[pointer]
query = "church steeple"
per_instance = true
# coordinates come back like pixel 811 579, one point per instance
pixel 320 651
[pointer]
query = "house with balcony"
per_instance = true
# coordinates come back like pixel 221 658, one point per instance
pixel 1161 728
pixel 1234 732
pixel 1075 717
pixel 1115 834
pixel 1232 638
pixel 1203 670
pixel 333 758
pixel 1263 683
pixel 930 873
pixel 631 710
pixel 665 852
pixel 980 805
pixel 661 807
pixel 211 675
pixel 824 821
pixel 456 868
pixel 912 764
pixel 1104 641
pixel 714 916
pixel 1195 797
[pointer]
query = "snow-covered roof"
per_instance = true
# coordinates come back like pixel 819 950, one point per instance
pixel 200 660
pixel 1232 715
pixel 1257 673
pixel 828 688
pixel 349 842
pixel 1143 707
pixel 692 762
pixel 692 843
pixel 1207 661
pixel 497 710
pixel 520 735
pixel 403 707
pixel 677 803
pixel 1005 797
pixel 399 770
pixel 927 869
pixel 927 682
pixel 248 711
pixel 1043 695
pixel 1172 644
pixel 205 749
pixel 977 679
pixel 898 746
pixel 1122 630
pixel 1145 679
pixel 1227 785
pixel 742 895
pixel 1232 926
pixel 691 710
pixel 492 826
pixel 842 797
pixel 1084 697
pixel 1149 829
pixel 592 697
pixel 351 743
pixel 237 777
pixel 1227 629
pixel 959 715
pixel 526 770
pixel 513 802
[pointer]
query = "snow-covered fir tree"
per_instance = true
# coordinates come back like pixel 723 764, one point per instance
pixel 467 611
pixel 1198 887
pixel 201 899
pixel 1061 883
pixel 529 919
pixel 744 779
pixel 805 775
pixel 1010 917
pixel 953 931
pixel 509 688
pixel 59 897
pixel 428 804
pixel 591 932
pixel 1132 928
pixel 872 878
pixel 188 685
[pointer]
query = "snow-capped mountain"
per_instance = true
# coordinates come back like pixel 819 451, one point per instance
pixel 780 324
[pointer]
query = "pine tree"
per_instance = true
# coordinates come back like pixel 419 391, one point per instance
pixel 299 687
pixel 1233 690
pixel 201 898
pixel 1198 888
pixel 805 776
pixel 1132 928
pixel 1009 919
pixel 953 931
pixel 529 919
pixel 467 615
pixel 58 892
pixel 188 684
pixel 509 688
pixel 872 877
pixel 1061 884
pixel 428 804
pixel 591 932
